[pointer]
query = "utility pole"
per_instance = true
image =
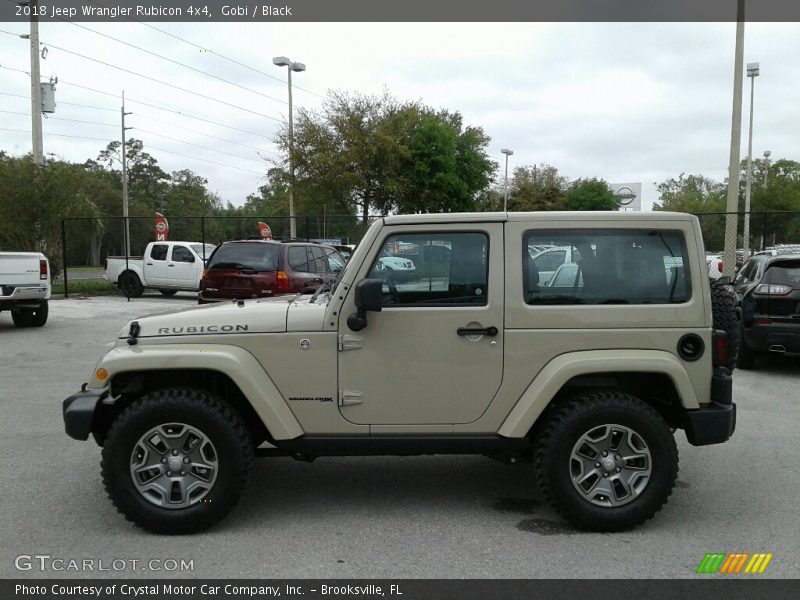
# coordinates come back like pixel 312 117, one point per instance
pixel 752 73
pixel 36 89
pixel 732 207
pixel 125 180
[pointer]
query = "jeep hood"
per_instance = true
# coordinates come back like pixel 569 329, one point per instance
pixel 251 316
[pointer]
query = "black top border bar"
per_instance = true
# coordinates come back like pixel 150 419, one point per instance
pixel 211 11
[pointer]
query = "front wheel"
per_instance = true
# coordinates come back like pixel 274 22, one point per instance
pixel 606 461
pixel 176 461
pixel 168 293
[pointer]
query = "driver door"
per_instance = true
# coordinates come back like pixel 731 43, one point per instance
pixel 433 355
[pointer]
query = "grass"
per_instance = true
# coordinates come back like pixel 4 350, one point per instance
pixel 91 287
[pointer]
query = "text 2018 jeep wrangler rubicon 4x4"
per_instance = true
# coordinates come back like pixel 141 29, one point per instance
pixel 587 376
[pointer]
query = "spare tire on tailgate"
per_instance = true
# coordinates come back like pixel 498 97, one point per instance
pixel 726 317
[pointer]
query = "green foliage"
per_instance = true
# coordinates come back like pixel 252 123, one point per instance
pixel 590 194
pixel 372 154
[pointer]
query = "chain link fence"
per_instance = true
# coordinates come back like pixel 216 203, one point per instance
pixel 86 243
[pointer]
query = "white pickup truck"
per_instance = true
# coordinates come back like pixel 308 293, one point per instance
pixel 25 287
pixel 169 267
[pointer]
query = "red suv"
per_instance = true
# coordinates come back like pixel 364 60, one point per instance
pixel 262 268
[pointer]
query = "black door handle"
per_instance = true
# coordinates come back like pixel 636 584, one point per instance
pixel 491 331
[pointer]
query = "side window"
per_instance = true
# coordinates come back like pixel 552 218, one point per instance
pixel 748 272
pixel 159 252
pixel 319 258
pixel 182 254
pixel 421 269
pixel 605 266
pixel 298 258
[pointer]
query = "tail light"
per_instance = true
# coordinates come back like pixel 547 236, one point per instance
pixel 205 273
pixel 720 267
pixel 42 269
pixel 281 282
pixel 720 353
pixel 105 265
pixel 772 289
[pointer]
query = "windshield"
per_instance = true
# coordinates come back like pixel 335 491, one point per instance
pixel 257 256
pixel 198 248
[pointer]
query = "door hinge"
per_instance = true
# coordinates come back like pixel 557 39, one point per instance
pixel 350 342
pixel 350 397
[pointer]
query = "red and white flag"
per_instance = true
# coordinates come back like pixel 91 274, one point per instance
pixel 162 227
pixel 266 232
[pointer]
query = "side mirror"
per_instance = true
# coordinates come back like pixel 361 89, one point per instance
pixel 368 296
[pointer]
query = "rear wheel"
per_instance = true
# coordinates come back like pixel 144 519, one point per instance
pixel 606 461
pixel 130 284
pixel 31 317
pixel 176 461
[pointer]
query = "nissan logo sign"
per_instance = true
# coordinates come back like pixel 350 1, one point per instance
pixel 625 195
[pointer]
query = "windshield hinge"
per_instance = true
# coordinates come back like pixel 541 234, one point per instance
pixel 350 342
pixel 350 397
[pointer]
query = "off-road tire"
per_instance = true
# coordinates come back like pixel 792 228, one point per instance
pixel 196 408
pixel 168 293
pixel 565 424
pixel 726 317
pixel 130 285
pixel 747 357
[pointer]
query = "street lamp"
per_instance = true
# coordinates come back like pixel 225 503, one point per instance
pixel 767 154
pixel 508 153
pixel 282 61
pixel 752 73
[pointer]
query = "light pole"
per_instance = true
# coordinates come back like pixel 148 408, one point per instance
pixel 282 61
pixel 767 154
pixel 508 153
pixel 752 73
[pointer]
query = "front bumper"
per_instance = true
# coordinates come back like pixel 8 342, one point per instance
pixel 79 412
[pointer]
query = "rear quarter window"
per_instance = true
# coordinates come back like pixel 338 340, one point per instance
pixel 608 266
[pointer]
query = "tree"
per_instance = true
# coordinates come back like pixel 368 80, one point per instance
pixel 590 194
pixel 371 153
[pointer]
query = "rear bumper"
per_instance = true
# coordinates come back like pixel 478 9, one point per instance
pixel 715 422
pixel 79 412
pixel 763 336
pixel 13 295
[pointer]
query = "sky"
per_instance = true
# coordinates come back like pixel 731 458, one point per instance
pixel 626 102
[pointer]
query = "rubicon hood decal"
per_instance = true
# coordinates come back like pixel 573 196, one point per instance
pixel 234 318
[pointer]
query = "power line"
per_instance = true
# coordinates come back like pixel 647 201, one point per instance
pixel 166 137
pixel 14 95
pixel 213 162
pixel 79 137
pixel 153 79
pixel 87 106
pixel 195 131
pixel 162 108
pixel 177 62
pixel 208 50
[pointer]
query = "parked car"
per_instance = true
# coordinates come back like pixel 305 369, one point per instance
pixel 169 267
pixel 547 259
pixel 769 292
pixel 262 268
pixel 25 287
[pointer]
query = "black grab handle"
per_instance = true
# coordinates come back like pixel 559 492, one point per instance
pixel 491 331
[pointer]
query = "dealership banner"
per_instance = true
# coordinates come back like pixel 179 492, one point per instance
pixel 266 232
pixel 162 227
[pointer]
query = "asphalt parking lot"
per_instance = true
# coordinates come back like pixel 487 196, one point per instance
pixel 427 517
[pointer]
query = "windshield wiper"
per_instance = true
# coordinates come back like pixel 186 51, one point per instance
pixel 325 287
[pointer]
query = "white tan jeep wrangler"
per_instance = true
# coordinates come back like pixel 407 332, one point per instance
pixel 586 371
